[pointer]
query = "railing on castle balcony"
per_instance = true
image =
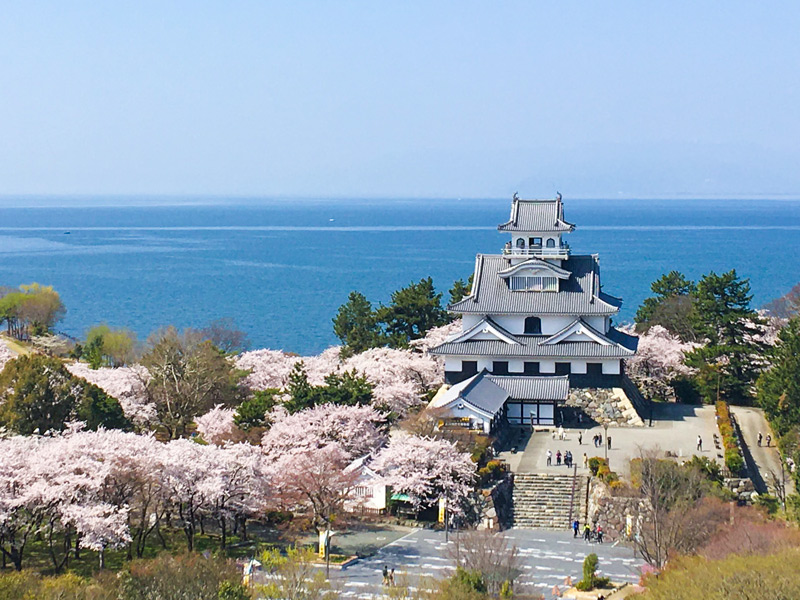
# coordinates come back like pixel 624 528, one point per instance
pixel 562 250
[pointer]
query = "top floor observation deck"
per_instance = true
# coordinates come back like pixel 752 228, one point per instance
pixel 550 249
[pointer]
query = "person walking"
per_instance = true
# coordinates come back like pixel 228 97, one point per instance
pixel 580 438
pixel 385 575
pixel 769 440
pixel 760 437
pixel 599 440
pixel 558 458
pixel 608 441
pixel 585 461
pixel 599 536
pixel 587 532
pixel 391 578
pixel 594 440
pixel 561 432
pixel 549 458
pixel 699 444
pixel 575 527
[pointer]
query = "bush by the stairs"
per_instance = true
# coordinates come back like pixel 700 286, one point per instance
pixel 590 579
pixel 493 471
pixel 600 468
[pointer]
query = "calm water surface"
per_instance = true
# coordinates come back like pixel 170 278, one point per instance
pixel 281 269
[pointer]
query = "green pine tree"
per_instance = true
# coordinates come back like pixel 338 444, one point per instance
pixel 412 312
pixel 355 324
pixel 731 359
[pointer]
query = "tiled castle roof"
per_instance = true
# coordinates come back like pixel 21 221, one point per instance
pixel 537 216
pixel 578 295
pixel 531 346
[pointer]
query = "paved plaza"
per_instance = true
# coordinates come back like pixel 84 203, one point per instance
pixel 547 558
pixel 675 428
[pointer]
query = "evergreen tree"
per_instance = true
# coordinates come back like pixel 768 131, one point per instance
pixel 731 359
pixel 98 409
pixel 355 324
pixel 460 290
pixel 301 392
pixel 413 311
pixel 347 389
pixel 778 388
pixel 252 412
pixel 671 307
pixel 38 393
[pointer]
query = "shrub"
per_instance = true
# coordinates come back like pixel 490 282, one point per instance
pixel 590 579
pixel 595 462
pixel 769 502
pixel 179 577
pixel 734 460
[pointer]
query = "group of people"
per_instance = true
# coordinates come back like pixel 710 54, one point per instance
pixel 388 576
pixel 565 459
pixel 561 459
pixel 598 440
pixel 590 533
pixel 761 437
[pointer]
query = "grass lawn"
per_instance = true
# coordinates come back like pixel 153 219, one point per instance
pixel 37 556
pixel 14 345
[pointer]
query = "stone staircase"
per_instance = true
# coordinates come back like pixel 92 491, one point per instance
pixel 542 500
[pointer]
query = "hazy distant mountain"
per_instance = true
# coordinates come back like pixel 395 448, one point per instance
pixel 787 305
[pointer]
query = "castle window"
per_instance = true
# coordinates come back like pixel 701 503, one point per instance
pixel 531 368
pixel 551 243
pixel 533 325
pixel 500 367
pixel 534 284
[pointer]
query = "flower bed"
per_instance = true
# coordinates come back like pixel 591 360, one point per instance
pixel 734 460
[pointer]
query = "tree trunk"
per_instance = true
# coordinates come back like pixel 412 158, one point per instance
pixel 223 530
pixel 102 556
pixel 77 547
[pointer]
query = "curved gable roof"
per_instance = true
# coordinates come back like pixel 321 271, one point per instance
pixel 534 264
pixel 537 216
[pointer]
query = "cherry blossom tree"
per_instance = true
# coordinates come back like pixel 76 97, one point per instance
pixel 400 377
pixel 318 482
pixel 658 361
pixel 21 511
pixel 186 466
pixel 426 470
pixel 100 525
pixel 217 426
pixel 126 384
pixel 356 430
pixel 268 368
pixel 437 336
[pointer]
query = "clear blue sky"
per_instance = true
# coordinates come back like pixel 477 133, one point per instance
pixel 380 98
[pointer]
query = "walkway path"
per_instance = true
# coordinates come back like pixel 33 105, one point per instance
pixel 546 559
pixel 767 459
pixel 675 429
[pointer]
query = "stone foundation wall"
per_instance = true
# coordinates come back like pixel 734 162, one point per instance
pixel 605 405
pixel 612 512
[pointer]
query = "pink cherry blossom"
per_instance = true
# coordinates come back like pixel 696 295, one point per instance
pixel 126 384
pixel 354 429
pixel 426 469
pixel 217 426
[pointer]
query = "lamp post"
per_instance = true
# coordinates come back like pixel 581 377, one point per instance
pixel 605 440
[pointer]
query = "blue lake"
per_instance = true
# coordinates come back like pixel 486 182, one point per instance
pixel 281 269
